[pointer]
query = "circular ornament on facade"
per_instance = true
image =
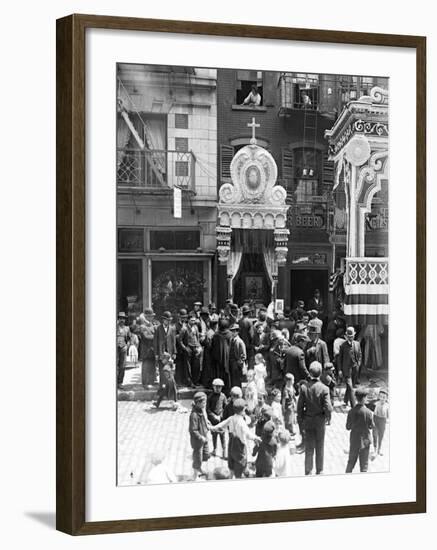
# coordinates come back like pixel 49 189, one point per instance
pixel 358 150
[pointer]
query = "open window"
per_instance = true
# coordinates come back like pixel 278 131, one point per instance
pixel 306 91
pixel 246 81
pixel 307 167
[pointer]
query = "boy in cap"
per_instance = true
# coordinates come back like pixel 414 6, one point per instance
pixel 167 389
pixel 198 428
pixel 215 407
pixel 360 423
pixel 239 432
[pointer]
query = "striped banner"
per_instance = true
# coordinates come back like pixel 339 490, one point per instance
pixel 366 304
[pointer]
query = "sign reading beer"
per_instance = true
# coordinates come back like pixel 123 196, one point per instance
pixel 307 216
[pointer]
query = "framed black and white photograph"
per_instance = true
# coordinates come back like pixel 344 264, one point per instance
pixel 241 207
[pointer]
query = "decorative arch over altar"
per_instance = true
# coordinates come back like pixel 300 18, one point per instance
pixel 252 201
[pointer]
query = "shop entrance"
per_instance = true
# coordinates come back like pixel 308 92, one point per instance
pixel 305 281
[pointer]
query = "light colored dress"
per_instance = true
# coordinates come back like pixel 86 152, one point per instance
pixel 251 396
pixel 278 416
pixel 282 466
pixel 260 376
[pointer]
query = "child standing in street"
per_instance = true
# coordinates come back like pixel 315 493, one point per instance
pixel 168 389
pixel 380 418
pixel 215 406
pixel 250 393
pixel 265 451
pixel 289 403
pixel 199 427
pixel 278 417
pixel 260 372
pixel 283 456
pixel 239 433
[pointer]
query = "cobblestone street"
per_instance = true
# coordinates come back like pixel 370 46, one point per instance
pixel 143 430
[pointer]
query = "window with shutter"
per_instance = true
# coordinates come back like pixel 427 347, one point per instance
pixel 328 170
pixel 226 155
pixel 287 169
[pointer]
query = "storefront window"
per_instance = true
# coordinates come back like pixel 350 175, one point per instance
pixel 176 284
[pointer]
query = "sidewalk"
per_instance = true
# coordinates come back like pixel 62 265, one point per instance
pixel 133 390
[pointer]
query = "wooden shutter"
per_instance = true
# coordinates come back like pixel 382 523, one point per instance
pixel 287 159
pixel 226 155
pixel 328 170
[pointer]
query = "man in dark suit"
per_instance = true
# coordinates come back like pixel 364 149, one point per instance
pixel 295 359
pixel 349 364
pixel 247 334
pixel 314 411
pixel 360 423
pixel 317 350
pixel 316 302
pixel 237 356
pixel 165 339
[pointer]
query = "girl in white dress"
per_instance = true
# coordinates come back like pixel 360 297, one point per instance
pixel 260 372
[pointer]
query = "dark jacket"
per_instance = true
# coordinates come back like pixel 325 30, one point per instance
pixel 237 352
pixel 146 337
pixel 265 452
pixel 349 357
pixel 314 400
pixel 165 341
pixel 317 352
pixel 295 363
pixel 360 423
pixel 246 332
pixel 215 407
pixel 198 428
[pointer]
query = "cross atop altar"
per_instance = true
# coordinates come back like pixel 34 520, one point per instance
pixel 253 125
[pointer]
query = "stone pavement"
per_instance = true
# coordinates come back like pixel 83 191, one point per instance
pixel 143 430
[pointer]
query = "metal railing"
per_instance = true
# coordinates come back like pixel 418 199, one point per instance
pixel 324 93
pixel 156 169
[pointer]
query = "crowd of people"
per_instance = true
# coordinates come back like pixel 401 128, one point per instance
pixel 261 382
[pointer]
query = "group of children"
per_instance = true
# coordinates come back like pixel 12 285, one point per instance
pixel 266 431
pixel 253 427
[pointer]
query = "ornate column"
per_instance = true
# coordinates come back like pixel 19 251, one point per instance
pixel 358 144
pixel 223 252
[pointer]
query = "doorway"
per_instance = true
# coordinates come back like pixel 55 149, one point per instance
pixel 305 281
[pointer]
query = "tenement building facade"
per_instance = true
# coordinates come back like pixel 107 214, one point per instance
pixel 288 124
pixel 166 186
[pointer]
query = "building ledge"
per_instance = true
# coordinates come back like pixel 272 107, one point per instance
pixel 256 108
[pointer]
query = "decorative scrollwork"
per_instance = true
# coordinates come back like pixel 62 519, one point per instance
pixel 379 95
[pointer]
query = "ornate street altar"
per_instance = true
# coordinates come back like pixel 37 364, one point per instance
pixel 253 201
pixel 358 145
